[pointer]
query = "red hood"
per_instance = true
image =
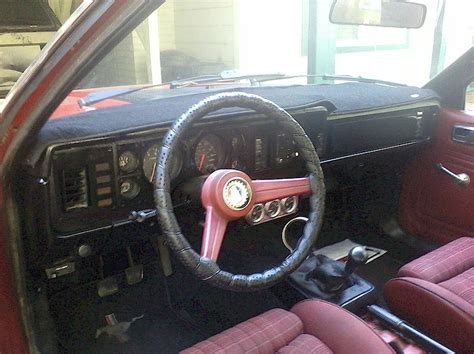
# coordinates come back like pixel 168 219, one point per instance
pixel 71 106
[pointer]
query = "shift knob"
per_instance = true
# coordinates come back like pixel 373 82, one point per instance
pixel 356 257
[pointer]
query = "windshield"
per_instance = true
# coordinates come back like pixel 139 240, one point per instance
pixel 294 37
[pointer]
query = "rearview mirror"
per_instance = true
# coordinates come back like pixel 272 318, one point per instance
pixel 384 13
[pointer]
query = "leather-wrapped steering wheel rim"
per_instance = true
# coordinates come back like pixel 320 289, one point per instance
pixel 203 267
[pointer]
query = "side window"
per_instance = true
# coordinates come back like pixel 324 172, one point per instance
pixel 469 105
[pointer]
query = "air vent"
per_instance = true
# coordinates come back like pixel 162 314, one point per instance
pixel 103 180
pixel 74 189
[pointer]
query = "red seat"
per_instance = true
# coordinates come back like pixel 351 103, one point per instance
pixel 436 294
pixel 312 326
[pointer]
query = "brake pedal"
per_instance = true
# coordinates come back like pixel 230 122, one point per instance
pixel 107 286
pixel 134 274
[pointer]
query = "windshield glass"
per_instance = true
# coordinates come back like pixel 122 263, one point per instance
pixel 294 37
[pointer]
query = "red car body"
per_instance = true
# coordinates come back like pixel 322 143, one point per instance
pixel 44 92
pixel 95 25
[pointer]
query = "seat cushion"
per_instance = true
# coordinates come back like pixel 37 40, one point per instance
pixel 312 326
pixel 265 333
pixel 434 310
pixel 436 294
pixel 305 344
pixel 462 285
pixel 339 329
pixel 443 263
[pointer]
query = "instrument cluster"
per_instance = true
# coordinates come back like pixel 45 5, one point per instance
pixel 200 155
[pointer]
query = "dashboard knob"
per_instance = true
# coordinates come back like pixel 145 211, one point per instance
pixel 84 251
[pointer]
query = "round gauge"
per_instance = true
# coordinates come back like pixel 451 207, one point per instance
pixel 273 208
pixel 149 163
pixel 128 162
pixel 129 189
pixel 290 204
pixel 257 214
pixel 209 154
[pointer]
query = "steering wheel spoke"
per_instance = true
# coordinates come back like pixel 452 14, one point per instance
pixel 213 235
pixel 271 189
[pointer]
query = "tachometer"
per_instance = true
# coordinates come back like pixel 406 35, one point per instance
pixel 149 163
pixel 209 154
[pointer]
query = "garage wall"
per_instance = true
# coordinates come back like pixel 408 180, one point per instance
pixel 63 8
pixel 205 24
pixel 166 25
pixel 270 35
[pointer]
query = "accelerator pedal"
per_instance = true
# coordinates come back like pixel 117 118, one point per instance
pixel 134 273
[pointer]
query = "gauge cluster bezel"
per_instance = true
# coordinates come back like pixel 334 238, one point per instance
pixel 234 155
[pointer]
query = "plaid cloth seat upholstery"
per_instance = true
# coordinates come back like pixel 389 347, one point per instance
pixel 436 293
pixel 312 326
pixel 443 263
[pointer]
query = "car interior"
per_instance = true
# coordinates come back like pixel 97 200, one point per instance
pixel 254 218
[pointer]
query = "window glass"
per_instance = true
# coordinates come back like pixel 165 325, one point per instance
pixel 31 15
pixel 271 36
pixel 190 38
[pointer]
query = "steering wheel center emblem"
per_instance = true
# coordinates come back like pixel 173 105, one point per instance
pixel 237 193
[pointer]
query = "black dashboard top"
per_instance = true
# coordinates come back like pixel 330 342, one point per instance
pixel 167 106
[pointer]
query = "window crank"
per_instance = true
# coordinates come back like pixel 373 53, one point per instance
pixel 461 179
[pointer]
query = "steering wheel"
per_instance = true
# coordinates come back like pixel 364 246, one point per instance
pixel 230 194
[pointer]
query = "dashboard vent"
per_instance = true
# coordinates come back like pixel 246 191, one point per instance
pixel 103 181
pixel 74 189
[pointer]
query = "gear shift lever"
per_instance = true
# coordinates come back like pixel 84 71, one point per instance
pixel 324 278
pixel 357 256
pixel 332 276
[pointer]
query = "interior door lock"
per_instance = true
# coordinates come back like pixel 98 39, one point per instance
pixel 462 179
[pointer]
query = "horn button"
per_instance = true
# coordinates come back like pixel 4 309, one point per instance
pixel 237 193
pixel 229 192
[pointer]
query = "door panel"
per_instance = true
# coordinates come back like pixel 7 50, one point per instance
pixel 432 205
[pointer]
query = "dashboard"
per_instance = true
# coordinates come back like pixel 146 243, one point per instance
pixel 101 185
pixel 97 191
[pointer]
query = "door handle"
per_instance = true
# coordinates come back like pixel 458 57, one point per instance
pixel 461 179
pixel 463 134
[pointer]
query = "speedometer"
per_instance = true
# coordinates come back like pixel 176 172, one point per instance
pixel 149 163
pixel 209 154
